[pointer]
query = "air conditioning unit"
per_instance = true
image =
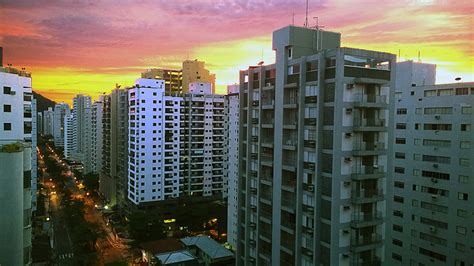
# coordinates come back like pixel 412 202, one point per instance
pixel 310 188
pixel 348 110
pixel 375 166
pixel 268 84
pixel 345 255
pixel 434 180
pixel 346 207
pixel 348 135
pixel 12 92
pixel 437 117
pixel 432 229
pixel 434 197
pixel 346 231
pixel 348 159
pixel 347 183
pixel 350 86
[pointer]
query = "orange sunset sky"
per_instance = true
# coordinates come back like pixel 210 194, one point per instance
pixel 87 46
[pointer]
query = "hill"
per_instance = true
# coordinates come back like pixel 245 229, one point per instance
pixel 42 103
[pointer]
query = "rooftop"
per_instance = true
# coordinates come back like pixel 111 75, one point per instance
pixel 175 257
pixel 207 245
pixel 12 70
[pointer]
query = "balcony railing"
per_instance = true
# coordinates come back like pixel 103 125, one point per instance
pixel 361 217
pixel 375 261
pixel 368 146
pixel 369 98
pixel 366 240
pixel 369 122
pixel 367 171
pixel 366 195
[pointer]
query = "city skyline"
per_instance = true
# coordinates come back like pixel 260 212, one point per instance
pixel 87 47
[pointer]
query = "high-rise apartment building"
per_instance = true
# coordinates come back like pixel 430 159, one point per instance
pixel 39 120
pixel 16 160
pixel 96 135
pixel 430 218
pixel 113 177
pixel 313 153
pixel 48 118
pixel 175 142
pixel 195 71
pixel 70 136
pixel 173 78
pixel 61 110
pixel 231 160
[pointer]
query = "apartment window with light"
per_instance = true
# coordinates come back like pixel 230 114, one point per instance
pixel 461 230
pixel 463 196
pixel 464 162
pixel 400 141
pixel 401 126
pixel 465 127
pixel 401 111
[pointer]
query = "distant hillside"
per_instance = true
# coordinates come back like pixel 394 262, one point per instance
pixel 42 103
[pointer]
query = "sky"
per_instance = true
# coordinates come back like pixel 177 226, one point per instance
pixel 88 46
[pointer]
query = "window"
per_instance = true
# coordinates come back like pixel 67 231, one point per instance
pixel 436 159
pixel 445 92
pixel 399 170
pixel 397 228
pixel 398 199
pixel 462 91
pixel 462 213
pixel 436 143
pixel 464 162
pixel 398 213
pixel 465 144
pixel 460 247
pixel 434 207
pixel 414 203
pixel 463 179
pixel 397 242
pixel 466 110
pixel 436 175
pixel 465 127
pixel 444 127
pixel 7 126
pixel 416 172
pixel 417 126
pixel 7 90
pixel 433 239
pixel 400 141
pixel 463 196
pixel 416 157
pixel 401 126
pixel 396 256
pixel 461 230
pixel 401 111
pixel 432 254
pixel 399 184
pixel 417 142
pixel 400 155
pixel 7 108
pixel 430 93
pixel 418 111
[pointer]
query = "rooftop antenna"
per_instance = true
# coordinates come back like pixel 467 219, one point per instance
pixel 306 18
pixel 419 56
pixel 293 21
pixel 399 59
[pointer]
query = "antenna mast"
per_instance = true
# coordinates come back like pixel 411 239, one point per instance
pixel 306 18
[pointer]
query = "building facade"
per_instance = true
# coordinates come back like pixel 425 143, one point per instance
pixel 113 177
pixel 175 142
pixel 195 71
pixel 16 137
pixel 314 153
pixel 173 78
pixel 431 197
pixel 61 110
pixel 97 133
pixel 231 160
pixel 48 119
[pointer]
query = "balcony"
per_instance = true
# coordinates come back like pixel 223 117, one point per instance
pixel 293 79
pixel 361 172
pixel 360 196
pixel 362 243
pixel 289 164
pixel 266 159
pixel 370 100
pixel 290 144
pixel 290 102
pixel 268 104
pixel 361 219
pixel 375 261
pixel 310 121
pixel 255 103
pixel 311 76
pixel 310 143
pixel 311 99
pixel 368 148
pixel 369 124
pixel 267 123
pixel 254 121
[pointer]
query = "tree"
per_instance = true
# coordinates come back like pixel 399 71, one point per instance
pixel 146 226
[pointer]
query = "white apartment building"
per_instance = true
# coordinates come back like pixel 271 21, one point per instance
pixel 48 118
pixel 61 110
pixel 314 152
pixel 231 160
pixel 175 142
pixel 96 139
pixel 16 160
pixel 432 190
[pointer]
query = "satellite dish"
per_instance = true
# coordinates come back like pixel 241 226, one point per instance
pixel 458 79
pixel 260 63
